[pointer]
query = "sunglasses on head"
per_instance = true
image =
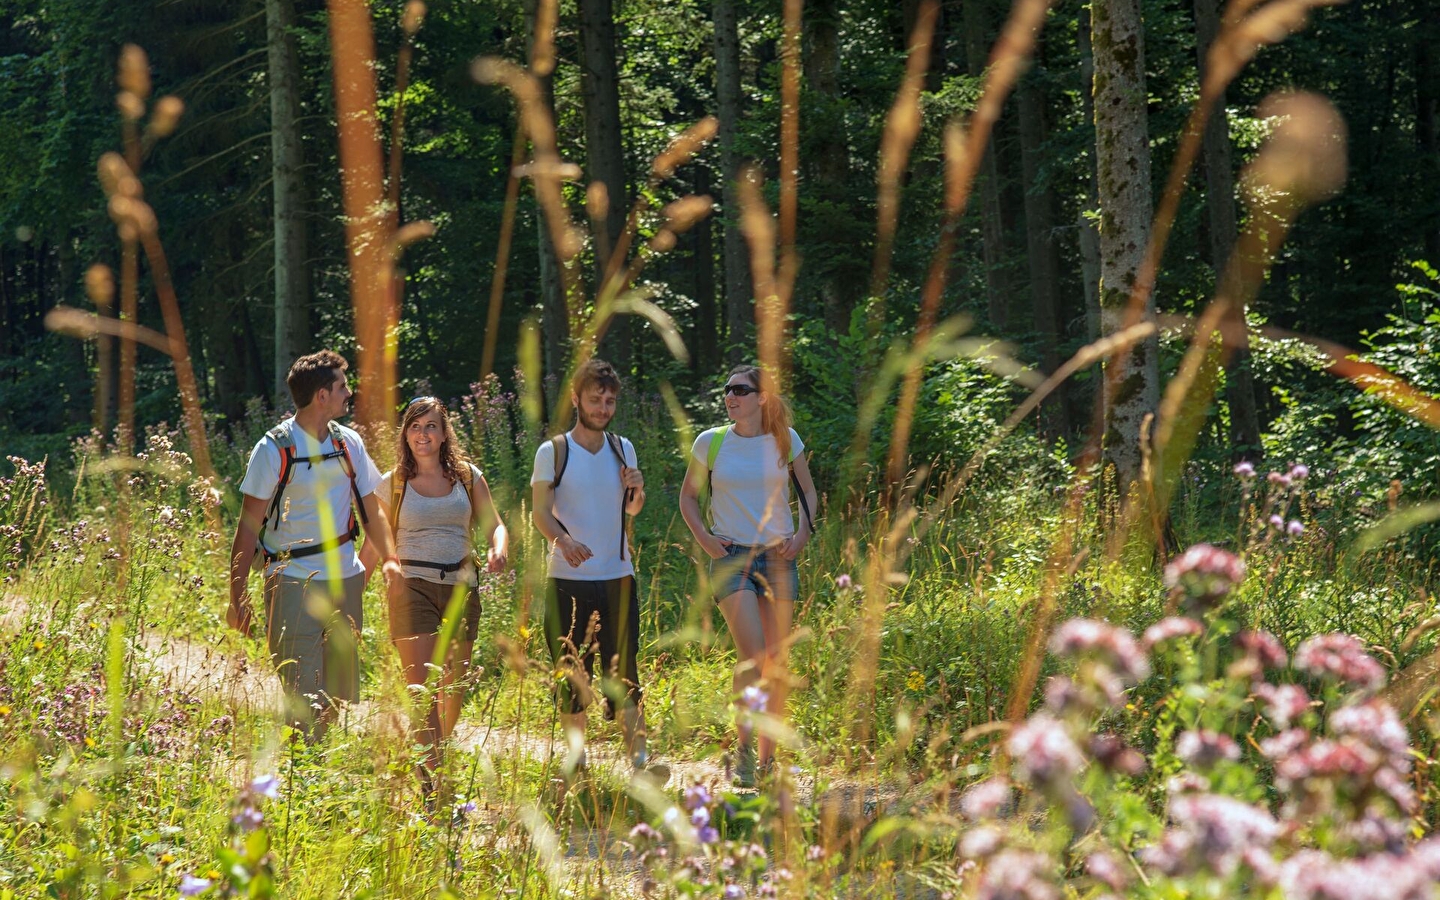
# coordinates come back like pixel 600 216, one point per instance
pixel 414 400
pixel 740 390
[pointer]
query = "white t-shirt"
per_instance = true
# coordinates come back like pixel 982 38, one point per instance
pixel 589 502
pixel 316 504
pixel 750 490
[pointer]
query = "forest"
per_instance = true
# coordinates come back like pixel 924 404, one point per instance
pixel 1108 329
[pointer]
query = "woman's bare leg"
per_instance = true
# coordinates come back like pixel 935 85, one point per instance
pixel 776 618
pixel 415 656
pixel 742 614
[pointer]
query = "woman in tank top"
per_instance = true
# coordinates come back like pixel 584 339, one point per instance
pixel 753 541
pixel 436 499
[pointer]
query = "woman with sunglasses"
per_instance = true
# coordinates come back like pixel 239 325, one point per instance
pixel 748 469
pixel 436 500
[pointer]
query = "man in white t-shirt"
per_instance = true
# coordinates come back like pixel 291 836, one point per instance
pixel 305 483
pixel 591 606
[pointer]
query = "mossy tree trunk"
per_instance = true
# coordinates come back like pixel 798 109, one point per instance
pixel 1122 165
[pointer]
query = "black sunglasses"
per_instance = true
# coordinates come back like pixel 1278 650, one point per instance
pixel 740 390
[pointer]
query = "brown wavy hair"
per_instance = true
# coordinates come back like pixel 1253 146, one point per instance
pixel 775 416
pixel 452 461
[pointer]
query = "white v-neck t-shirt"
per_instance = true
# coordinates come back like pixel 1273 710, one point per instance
pixel 589 502
pixel 316 504
pixel 750 489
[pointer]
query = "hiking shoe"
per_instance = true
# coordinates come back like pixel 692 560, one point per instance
pixel 745 765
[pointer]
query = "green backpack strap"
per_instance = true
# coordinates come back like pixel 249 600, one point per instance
pixel 711 455
pixel 397 499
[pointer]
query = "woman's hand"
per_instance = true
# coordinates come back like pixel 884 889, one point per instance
pixel 716 547
pixel 495 560
pixel 791 548
pixel 394 575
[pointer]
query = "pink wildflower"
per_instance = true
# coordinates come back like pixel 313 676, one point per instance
pixel 1203 749
pixel 1341 657
pixel 1168 629
pixel 1044 751
pixel 987 799
pixel 1114 646
pixel 1204 573
pixel 1264 647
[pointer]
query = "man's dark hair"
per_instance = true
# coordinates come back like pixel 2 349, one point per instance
pixel 596 372
pixel 313 372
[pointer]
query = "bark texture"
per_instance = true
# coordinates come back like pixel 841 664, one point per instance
pixel 287 164
pixel 1122 162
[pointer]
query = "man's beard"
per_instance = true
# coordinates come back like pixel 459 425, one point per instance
pixel 588 422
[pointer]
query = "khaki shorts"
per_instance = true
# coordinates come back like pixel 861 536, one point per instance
pixel 313 631
pixel 422 610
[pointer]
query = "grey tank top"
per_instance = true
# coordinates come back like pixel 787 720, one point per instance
pixel 435 529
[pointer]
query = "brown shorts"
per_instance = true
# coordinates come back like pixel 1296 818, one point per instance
pixel 421 609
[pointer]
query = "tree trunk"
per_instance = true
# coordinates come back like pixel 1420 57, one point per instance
pixel 1220 209
pixel 1427 126
pixel 1089 234
pixel 604 152
pixel 1041 255
pixel 992 226
pixel 739 299
pixel 554 314
pixel 287 162
pixel 705 340
pixel 828 160
pixel 1122 158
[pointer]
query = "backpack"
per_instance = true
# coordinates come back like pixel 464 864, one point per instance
pixel 561 446
pixel 397 499
pixel 285 440
pixel 713 453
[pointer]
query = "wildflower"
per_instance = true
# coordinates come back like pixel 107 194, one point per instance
pixel 1299 472
pixel 1295 528
pixel 978 843
pixel 1284 703
pixel 707 834
pixel 754 699
pixel 1017 874
pixel 732 891
pixel 644 834
pixel 1376 724
pixel 987 799
pixel 1277 521
pixel 1203 748
pixel 1044 751
pixel 524 632
pixel 1263 647
pixel 696 796
pixel 39 644
pixel 1168 629
pixel 1114 646
pixel 1341 657
pixel 700 817
pixel 1245 469
pixel 1205 573
pixel 190 886
pixel 914 681
pixel 1113 754
pixel 265 786
pixel 1279 479
pixel 89 741
pixel 1211 830
pixel 814 853
pixel 466 809
pixel 4 710
pixel 843 582
pixel 1104 867
pixel 248 818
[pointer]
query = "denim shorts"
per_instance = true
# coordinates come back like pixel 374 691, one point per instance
pixel 765 571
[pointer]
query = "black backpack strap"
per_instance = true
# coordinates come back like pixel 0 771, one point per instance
pixel 800 494
pixel 617 447
pixel 280 434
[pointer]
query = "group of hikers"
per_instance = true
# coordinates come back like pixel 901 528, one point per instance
pixel 311 490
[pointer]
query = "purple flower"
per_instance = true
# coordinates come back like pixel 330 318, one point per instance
pixel 265 786
pixel 987 799
pixel 1213 831
pixel 1284 703
pixel 1299 472
pixel 1203 749
pixel 733 891
pixel 1205 573
pixel 707 834
pixel 1018 875
pixel 754 699
pixel 191 886
pixel 248 818
pixel 1043 750
pixel 1277 521
pixel 700 817
pixel 1245 469
pixel 1168 629
pixel 1104 867
pixel 1376 724
pixel 1112 753
pixel 1295 528
pixel 1279 479
pixel 466 808
pixel 697 796
pixel 1116 647
pixel 978 843
pixel 643 834
pixel 1341 657
pixel 843 582
pixel 1264 648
